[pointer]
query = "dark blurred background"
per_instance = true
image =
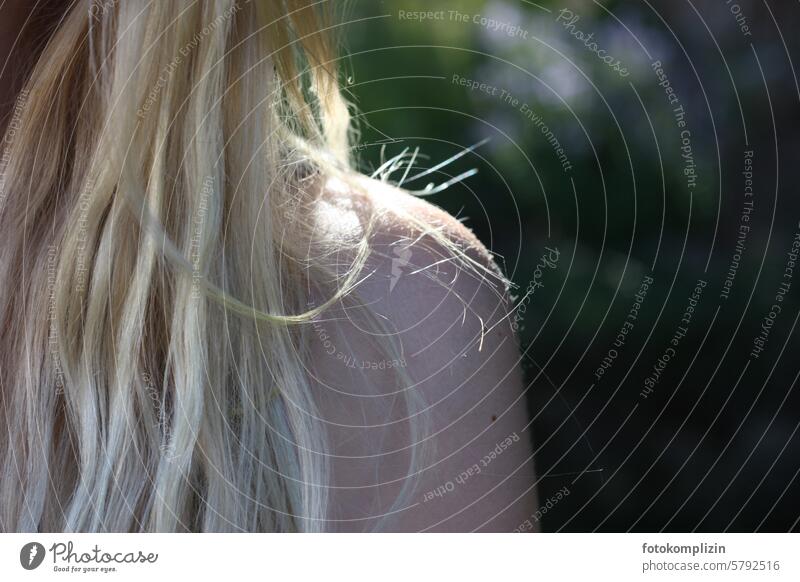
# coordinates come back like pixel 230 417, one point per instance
pixel 700 189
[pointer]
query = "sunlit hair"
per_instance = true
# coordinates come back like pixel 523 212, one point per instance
pixel 155 269
pixel 150 372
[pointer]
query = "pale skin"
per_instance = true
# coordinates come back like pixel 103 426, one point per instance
pixel 472 388
pixel 460 358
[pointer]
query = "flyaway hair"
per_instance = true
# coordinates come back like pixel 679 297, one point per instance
pixel 155 268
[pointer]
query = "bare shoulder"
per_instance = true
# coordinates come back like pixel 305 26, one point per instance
pixel 427 389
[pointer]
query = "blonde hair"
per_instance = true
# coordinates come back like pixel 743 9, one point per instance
pixel 152 269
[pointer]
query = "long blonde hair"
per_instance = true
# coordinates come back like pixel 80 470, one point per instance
pixel 163 157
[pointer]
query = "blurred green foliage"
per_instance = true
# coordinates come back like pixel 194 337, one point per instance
pixel 625 207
